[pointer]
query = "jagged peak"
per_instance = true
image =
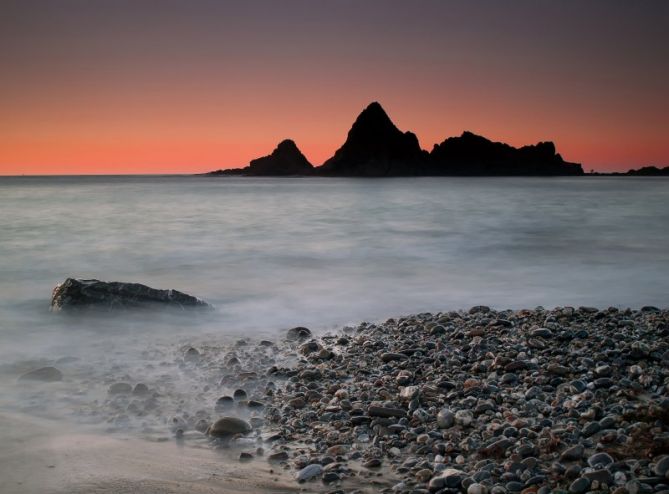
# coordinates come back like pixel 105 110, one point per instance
pixel 373 114
pixel 374 106
pixel 287 144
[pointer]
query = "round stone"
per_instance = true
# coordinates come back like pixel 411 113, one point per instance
pixel 445 418
pixel 228 426
pixel 298 333
pixel 239 395
pixel 477 489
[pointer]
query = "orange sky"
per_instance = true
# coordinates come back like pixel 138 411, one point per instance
pixel 126 87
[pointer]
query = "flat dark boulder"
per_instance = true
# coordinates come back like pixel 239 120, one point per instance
pixel 75 294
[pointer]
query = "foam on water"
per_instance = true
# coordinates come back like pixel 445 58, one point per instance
pixel 276 253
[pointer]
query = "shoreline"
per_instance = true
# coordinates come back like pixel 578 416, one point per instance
pixel 478 401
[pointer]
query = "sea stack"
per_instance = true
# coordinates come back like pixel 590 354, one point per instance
pixel 286 159
pixel 474 155
pixel 375 147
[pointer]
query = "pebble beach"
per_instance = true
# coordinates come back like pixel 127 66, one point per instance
pixel 477 401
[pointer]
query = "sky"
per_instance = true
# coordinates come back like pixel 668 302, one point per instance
pixel 187 86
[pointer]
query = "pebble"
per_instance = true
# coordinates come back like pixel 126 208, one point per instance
pixel 600 459
pixel 661 467
pixel 448 478
pixel 278 457
pixel 228 426
pixel 298 333
pixel 445 418
pixel 573 453
pixel 464 418
pixel 477 489
pixel 381 411
pixel 309 472
pixel 579 486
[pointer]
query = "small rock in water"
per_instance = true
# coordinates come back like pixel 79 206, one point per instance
pixel 373 463
pixel 309 472
pixel 140 389
pixel 278 457
pixel 239 394
pixel 309 347
pixel 191 355
pixel 224 402
pixel 201 426
pixel 245 456
pixel 298 333
pixel 114 295
pixel 43 374
pixel 228 426
pixel 120 388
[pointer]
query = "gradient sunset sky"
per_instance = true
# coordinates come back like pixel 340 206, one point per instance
pixel 139 86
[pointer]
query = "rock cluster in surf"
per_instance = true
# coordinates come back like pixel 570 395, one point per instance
pixel 375 147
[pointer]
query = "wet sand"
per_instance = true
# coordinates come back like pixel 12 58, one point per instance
pixel 42 456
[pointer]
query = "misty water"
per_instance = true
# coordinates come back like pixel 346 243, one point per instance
pixel 275 253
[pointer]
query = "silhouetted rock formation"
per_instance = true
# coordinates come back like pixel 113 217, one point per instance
pixel 376 148
pixel 239 172
pixel 285 160
pixel 471 154
pixel 650 171
pixel 80 294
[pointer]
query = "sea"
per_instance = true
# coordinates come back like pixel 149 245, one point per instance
pixel 271 253
pixel 274 253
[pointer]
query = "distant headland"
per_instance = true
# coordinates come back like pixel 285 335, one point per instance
pixel 646 171
pixel 375 147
